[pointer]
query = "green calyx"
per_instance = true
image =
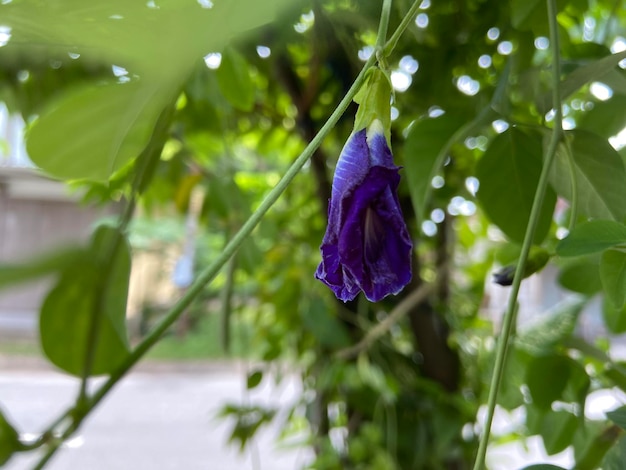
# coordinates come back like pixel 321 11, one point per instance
pixel 374 99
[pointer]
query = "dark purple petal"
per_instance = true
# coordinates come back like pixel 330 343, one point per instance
pixel 367 246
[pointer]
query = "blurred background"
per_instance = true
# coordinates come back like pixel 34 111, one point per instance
pixel 255 373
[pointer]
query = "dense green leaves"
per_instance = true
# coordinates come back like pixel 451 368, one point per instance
pixel 508 173
pixel 93 290
pixel 589 172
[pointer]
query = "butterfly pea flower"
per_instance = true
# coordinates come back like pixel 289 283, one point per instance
pixel 367 246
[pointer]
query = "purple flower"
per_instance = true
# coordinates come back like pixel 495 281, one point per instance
pixel 367 246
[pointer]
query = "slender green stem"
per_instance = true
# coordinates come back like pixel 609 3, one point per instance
pixel 509 317
pixel 404 24
pixel 383 25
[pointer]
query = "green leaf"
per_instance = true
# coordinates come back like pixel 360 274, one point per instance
pixel 9 440
pixel 425 140
pixel 581 76
pixel 233 77
pixel 591 456
pixel 508 173
pixel 618 416
pixel 254 379
pixel 592 237
pixel 616 456
pixel 581 275
pixel 554 326
pixel 546 378
pixel 132 33
pixel 557 430
pixel 510 394
pixel 578 384
pixel 613 275
pixel 92 132
pixel 522 11
pixel 599 175
pixel 98 285
pixel 43 265
pixel 614 318
pixel 606 118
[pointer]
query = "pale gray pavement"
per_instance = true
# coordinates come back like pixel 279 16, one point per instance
pixel 154 420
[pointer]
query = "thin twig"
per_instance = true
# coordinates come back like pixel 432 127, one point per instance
pixel 400 310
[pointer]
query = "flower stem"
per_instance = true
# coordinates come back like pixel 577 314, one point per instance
pixel 509 317
pixel 383 25
pixel 393 40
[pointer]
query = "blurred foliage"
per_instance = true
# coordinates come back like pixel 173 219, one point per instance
pixel 471 120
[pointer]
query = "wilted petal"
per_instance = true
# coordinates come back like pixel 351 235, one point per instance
pixel 366 246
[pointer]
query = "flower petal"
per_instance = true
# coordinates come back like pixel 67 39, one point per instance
pixel 367 246
pixel 352 165
pixel 374 246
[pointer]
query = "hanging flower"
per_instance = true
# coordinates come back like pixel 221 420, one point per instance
pixel 367 246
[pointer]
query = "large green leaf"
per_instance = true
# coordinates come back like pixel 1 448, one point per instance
pixel 547 377
pixel 164 40
pixel 581 275
pixel 557 430
pixel 92 132
pixel 613 275
pixel 98 285
pixel 592 237
pixel 599 174
pixel 508 173
pixel 552 328
pixel 614 318
pixel 9 440
pixel 422 147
